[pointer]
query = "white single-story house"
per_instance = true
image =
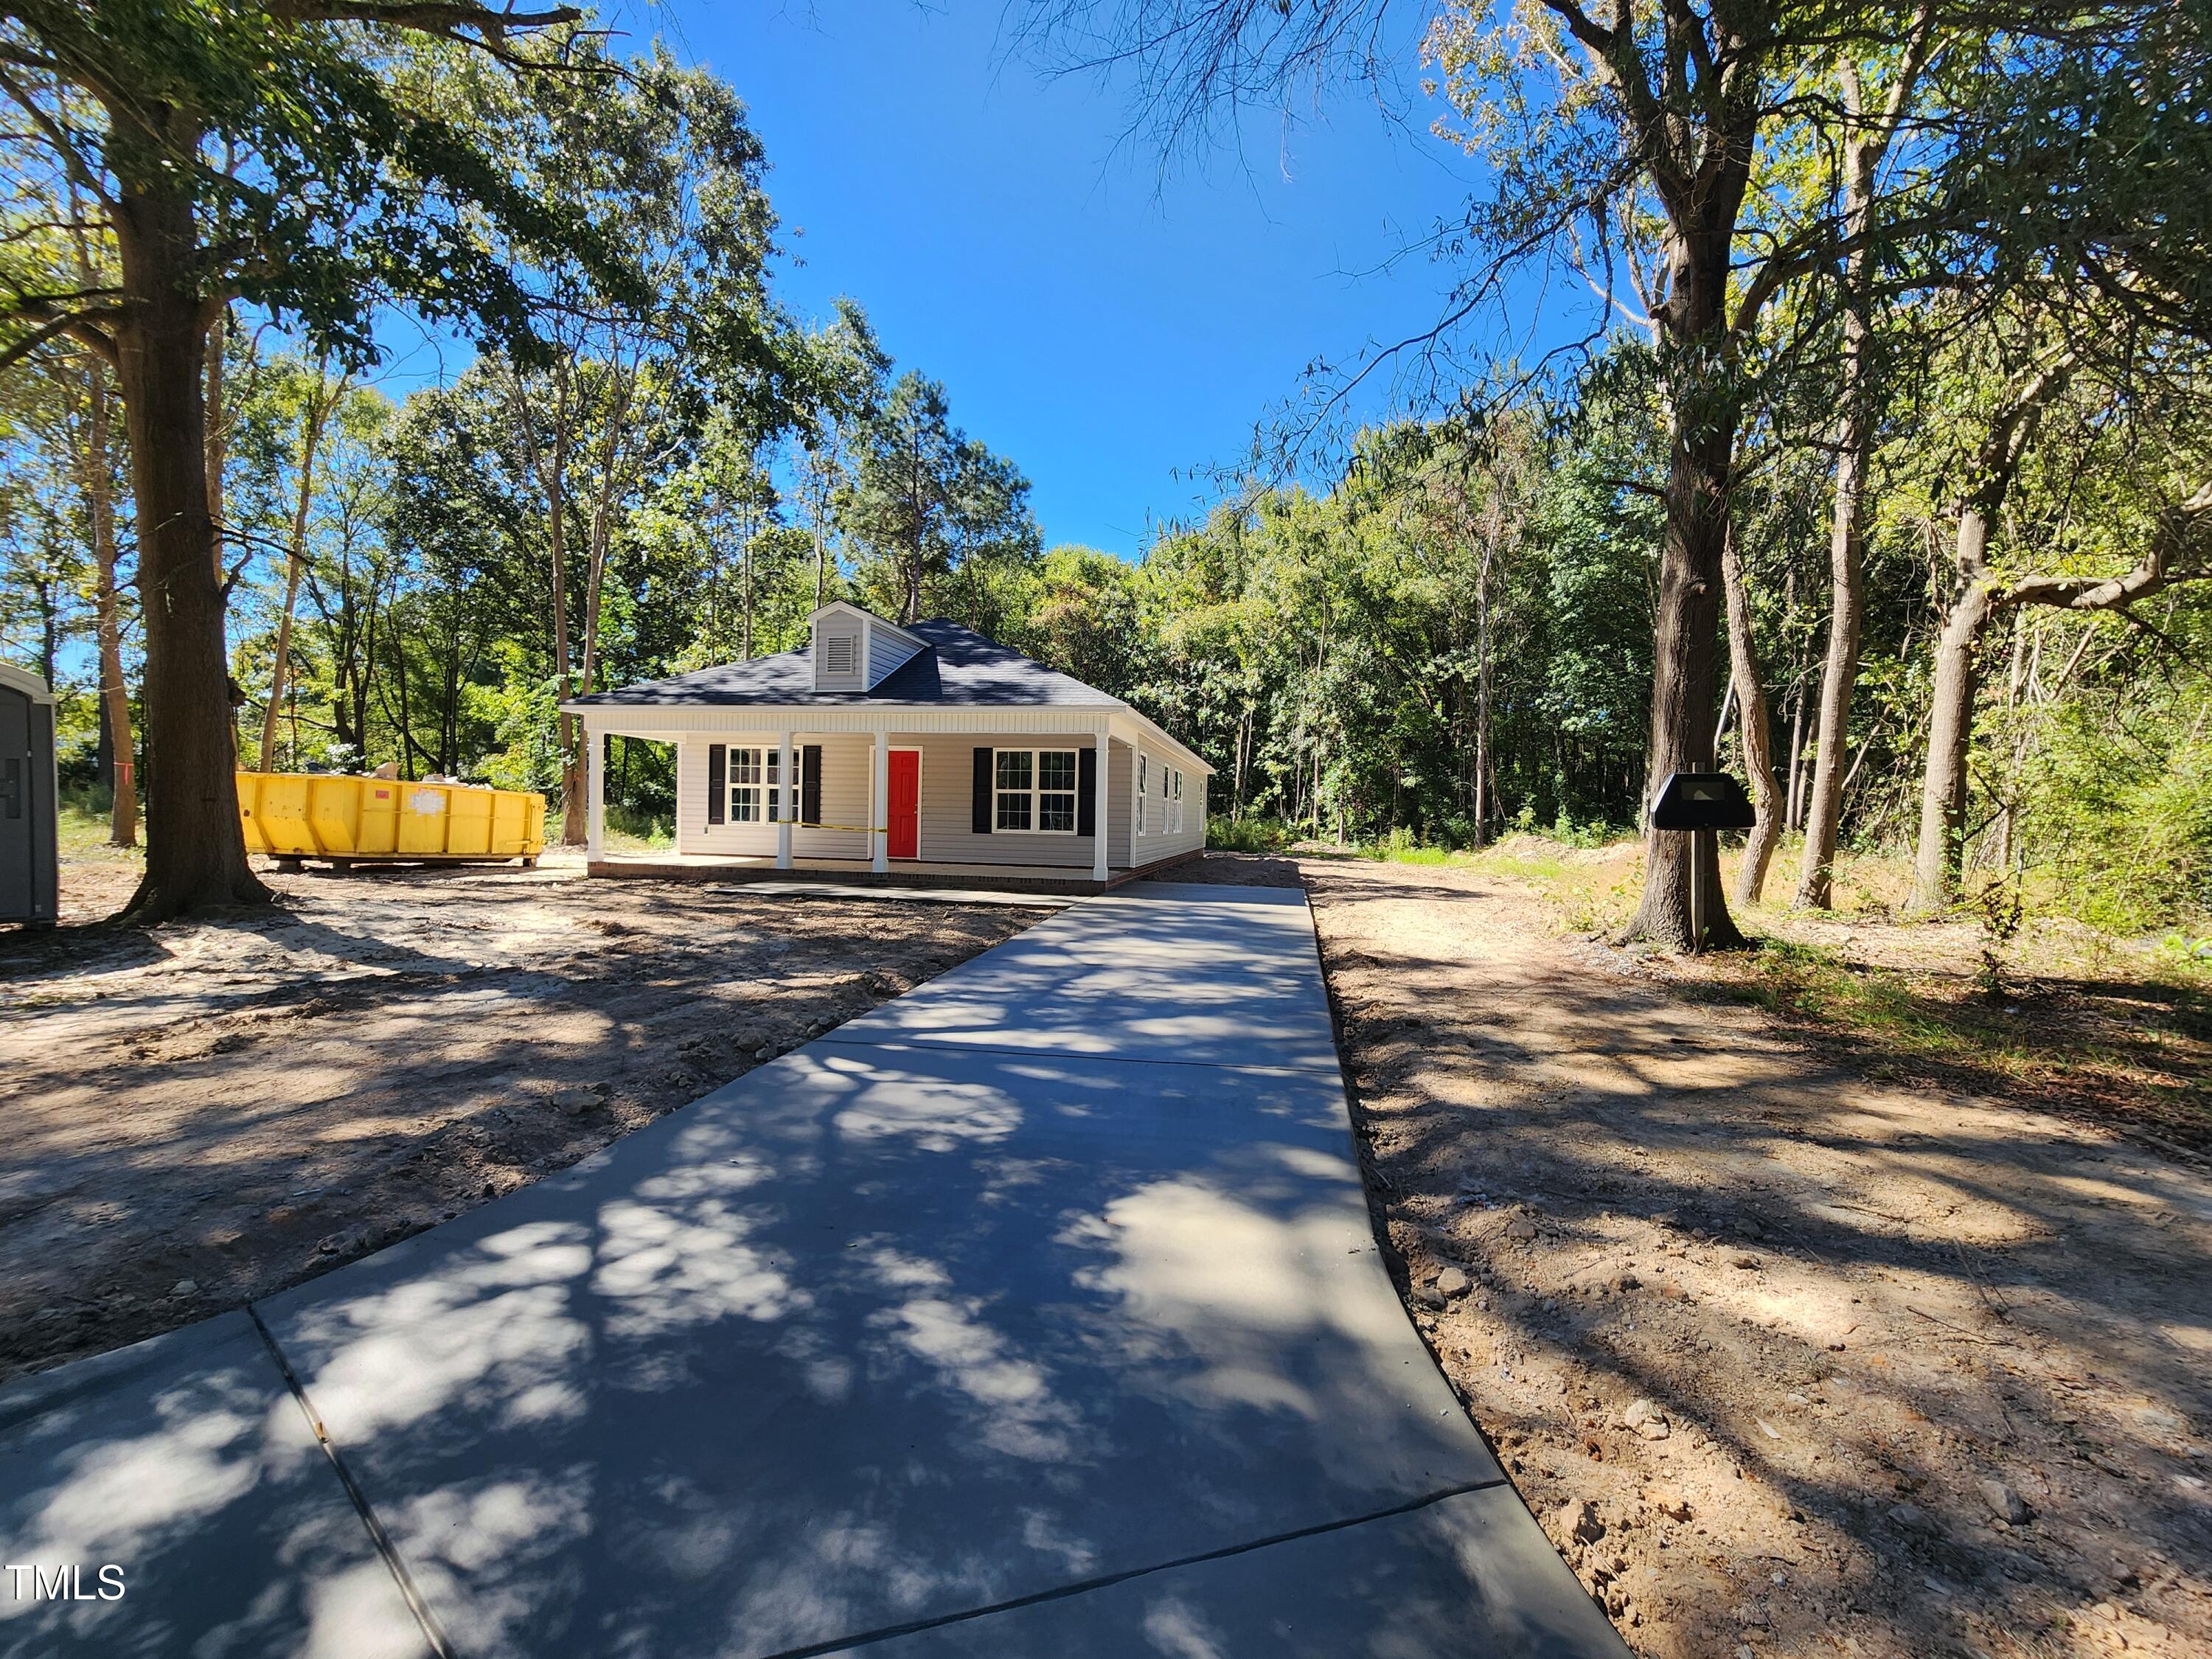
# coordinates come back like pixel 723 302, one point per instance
pixel 915 753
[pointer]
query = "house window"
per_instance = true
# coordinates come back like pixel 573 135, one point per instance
pixel 1143 771
pixel 1174 801
pixel 755 794
pixel 1036 790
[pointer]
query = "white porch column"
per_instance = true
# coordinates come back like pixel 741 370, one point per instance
pixel 1100 817
pixel 786 806
pixel 879 802
pixel 595 791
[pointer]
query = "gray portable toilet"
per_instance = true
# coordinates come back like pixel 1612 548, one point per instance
pixel 30 871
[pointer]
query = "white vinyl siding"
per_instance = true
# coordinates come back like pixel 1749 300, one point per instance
pixel 948 779
pixel 1114 803
pixel 947 792
pixel 844 798
pixel 1168 813
pixel 886 651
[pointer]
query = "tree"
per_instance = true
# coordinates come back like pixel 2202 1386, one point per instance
pixel 273 154
pixel 1754 727
pixel 925 497
pixel 846 369
pixel 1872 116
pixel 664 165
pixel 316 396
pixel 1633 129
pixel 1471 497
pixel 2170 527
pixel 354 573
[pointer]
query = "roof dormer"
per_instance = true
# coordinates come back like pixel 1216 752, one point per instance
pixel 855 649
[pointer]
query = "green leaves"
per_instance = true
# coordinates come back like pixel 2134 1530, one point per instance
pixel 328 163
pixel 925 501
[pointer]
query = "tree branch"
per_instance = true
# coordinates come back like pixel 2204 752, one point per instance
pixel 2153 573
pixel 431 16
pixel 37 337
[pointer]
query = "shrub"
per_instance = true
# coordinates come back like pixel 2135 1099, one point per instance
pixel 1253 835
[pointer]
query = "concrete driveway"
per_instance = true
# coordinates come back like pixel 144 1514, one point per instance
pixel 1037 1312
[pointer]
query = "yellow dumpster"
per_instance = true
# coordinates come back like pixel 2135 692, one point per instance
pixel 343 821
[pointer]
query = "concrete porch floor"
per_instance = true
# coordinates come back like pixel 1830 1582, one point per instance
pixel 903 873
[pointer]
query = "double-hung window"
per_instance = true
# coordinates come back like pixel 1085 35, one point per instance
pixel 1175 800
pixel 755 786
pixel 1144 770
pixel 1035 791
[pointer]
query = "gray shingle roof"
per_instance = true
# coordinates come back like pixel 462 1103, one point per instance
pixel 959 669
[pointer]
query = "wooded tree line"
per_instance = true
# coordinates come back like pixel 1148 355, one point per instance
pixel 421 580
pixel 217 209
pixel 1880 473
pixel 1928 285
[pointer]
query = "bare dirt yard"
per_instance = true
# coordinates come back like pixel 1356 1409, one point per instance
pixel 1797 1344
pixel 199 1113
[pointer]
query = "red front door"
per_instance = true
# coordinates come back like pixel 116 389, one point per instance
pixel 905 804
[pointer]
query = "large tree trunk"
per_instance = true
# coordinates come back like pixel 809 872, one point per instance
pixel 1950 730
pixel 1847 599
pixel 195 853
pixel 107 618
pixel 1935 863
pixel 1703 412
pixel 1682 688
pixel 910 605
pixel 1753 732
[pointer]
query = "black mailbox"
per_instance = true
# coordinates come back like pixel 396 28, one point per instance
pixel 1702 800
pixel 28 869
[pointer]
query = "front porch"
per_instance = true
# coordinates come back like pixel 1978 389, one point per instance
pixel 673 865
pixel 1038 800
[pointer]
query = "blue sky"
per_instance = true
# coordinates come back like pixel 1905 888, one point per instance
pixel 1110 328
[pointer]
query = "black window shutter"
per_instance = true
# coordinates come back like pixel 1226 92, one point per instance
pixel 980 814
pixel 717 796
pixel 810 784
pixel 1086 791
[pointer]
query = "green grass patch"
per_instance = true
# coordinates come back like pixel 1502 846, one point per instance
pixel 1399 846
pixel 1417 855
pixel 1254 834
pixel 81 828
pixel 628 829
pixel 1908 1019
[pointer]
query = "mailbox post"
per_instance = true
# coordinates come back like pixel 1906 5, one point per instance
pixel 1699 804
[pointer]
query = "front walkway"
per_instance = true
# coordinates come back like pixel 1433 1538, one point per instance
pixel 1036 1313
